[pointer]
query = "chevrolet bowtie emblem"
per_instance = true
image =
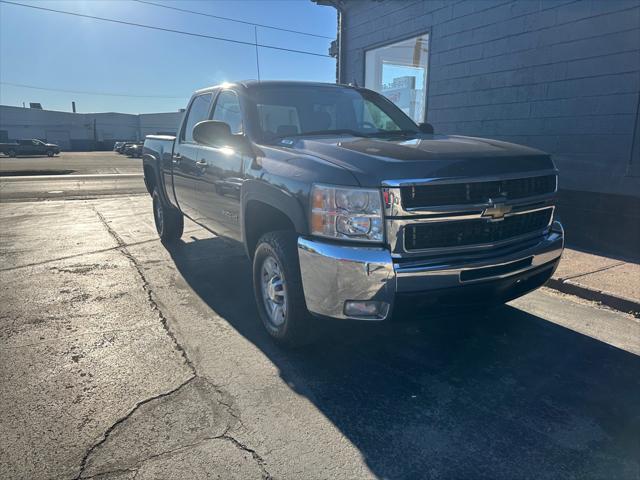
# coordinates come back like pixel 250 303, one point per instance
pixel 496 211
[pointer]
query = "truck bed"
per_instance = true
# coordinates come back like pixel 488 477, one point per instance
pixel 157 146
pixel 156 159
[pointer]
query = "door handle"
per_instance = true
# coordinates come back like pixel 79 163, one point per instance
pixel 202 162
pixel 176 158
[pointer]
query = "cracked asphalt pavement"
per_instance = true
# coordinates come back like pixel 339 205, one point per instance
pixel 120 359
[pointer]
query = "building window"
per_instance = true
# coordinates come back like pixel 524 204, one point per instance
pixel 399 72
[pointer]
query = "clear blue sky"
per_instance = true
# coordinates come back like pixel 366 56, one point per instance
pixel 70 53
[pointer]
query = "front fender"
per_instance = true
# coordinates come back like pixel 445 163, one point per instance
pixel 282 180
pixel 277 197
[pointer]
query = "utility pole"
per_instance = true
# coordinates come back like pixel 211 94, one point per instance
pixel 255 32
pixel 73 107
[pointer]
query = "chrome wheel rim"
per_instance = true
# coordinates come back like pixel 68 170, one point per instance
pixel 159 217
pixel 274 293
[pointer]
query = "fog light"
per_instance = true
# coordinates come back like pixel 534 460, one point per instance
pixel 367 308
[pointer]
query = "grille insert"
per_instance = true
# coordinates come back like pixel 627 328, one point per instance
pixel 475 192
pixel 473 232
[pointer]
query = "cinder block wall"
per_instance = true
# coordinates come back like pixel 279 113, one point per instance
pixel 559 75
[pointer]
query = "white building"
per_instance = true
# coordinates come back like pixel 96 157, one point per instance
pixel 82 131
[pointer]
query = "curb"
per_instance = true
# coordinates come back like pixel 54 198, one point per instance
pixel 621 304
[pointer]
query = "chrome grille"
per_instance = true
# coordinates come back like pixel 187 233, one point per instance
pixel 421 236
pixel 416 196
pixel 449 216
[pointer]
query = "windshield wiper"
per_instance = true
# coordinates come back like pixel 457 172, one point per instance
pixel 346 131
pixel 342 131
pixel 393 132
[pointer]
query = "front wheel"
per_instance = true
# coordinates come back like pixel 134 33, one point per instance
pixel 169 221
pixel 49 153
pixel 11 153
pixel 277 286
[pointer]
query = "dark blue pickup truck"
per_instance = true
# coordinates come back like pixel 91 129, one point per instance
pixel 32 146
pixel 348 208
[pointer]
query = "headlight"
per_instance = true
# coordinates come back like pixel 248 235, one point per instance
pixel 346 213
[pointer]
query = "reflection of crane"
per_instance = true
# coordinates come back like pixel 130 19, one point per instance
pixel 419 47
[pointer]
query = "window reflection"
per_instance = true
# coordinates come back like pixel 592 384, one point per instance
pixel 399 72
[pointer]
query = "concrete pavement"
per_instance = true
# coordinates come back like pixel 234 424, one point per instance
pixel 42 187
pixel 612 282
pixel 71 175
pixel 75 163
pixel 120 358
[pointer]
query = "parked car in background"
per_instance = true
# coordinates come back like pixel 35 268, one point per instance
pixel 348 208
pixel 31 146
pixel 122 146
pixel 133 149
pixel 117 146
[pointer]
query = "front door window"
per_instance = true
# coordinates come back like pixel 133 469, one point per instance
pixel 198 112
pixel 227 110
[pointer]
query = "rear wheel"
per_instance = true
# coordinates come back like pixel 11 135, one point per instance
pixel 278 290
pixel 11 153
pixel 169 221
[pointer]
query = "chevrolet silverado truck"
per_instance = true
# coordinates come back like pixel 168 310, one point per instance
pixel 32 146
pixel 347 208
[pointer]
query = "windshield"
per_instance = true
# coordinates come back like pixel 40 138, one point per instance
pixel 285 111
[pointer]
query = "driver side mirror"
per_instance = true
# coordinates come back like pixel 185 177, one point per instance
pixel 426 128
pixel 212 133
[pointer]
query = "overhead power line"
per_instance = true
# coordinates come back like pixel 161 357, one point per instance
pixel 108 94
pixel 233 20
pixel 162 29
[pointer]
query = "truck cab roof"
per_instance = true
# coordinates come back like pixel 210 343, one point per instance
pixel 271 83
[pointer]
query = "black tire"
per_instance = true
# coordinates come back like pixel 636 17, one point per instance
pixel 50 153
pixel 169 221
pixel 11 153
pixel 297 324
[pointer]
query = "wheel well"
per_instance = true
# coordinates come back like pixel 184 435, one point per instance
pixel 261 218
pixel 149 178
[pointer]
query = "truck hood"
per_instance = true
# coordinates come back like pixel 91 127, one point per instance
pixel 374 160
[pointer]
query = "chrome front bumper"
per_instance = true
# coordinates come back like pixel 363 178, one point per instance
pixel 333 274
